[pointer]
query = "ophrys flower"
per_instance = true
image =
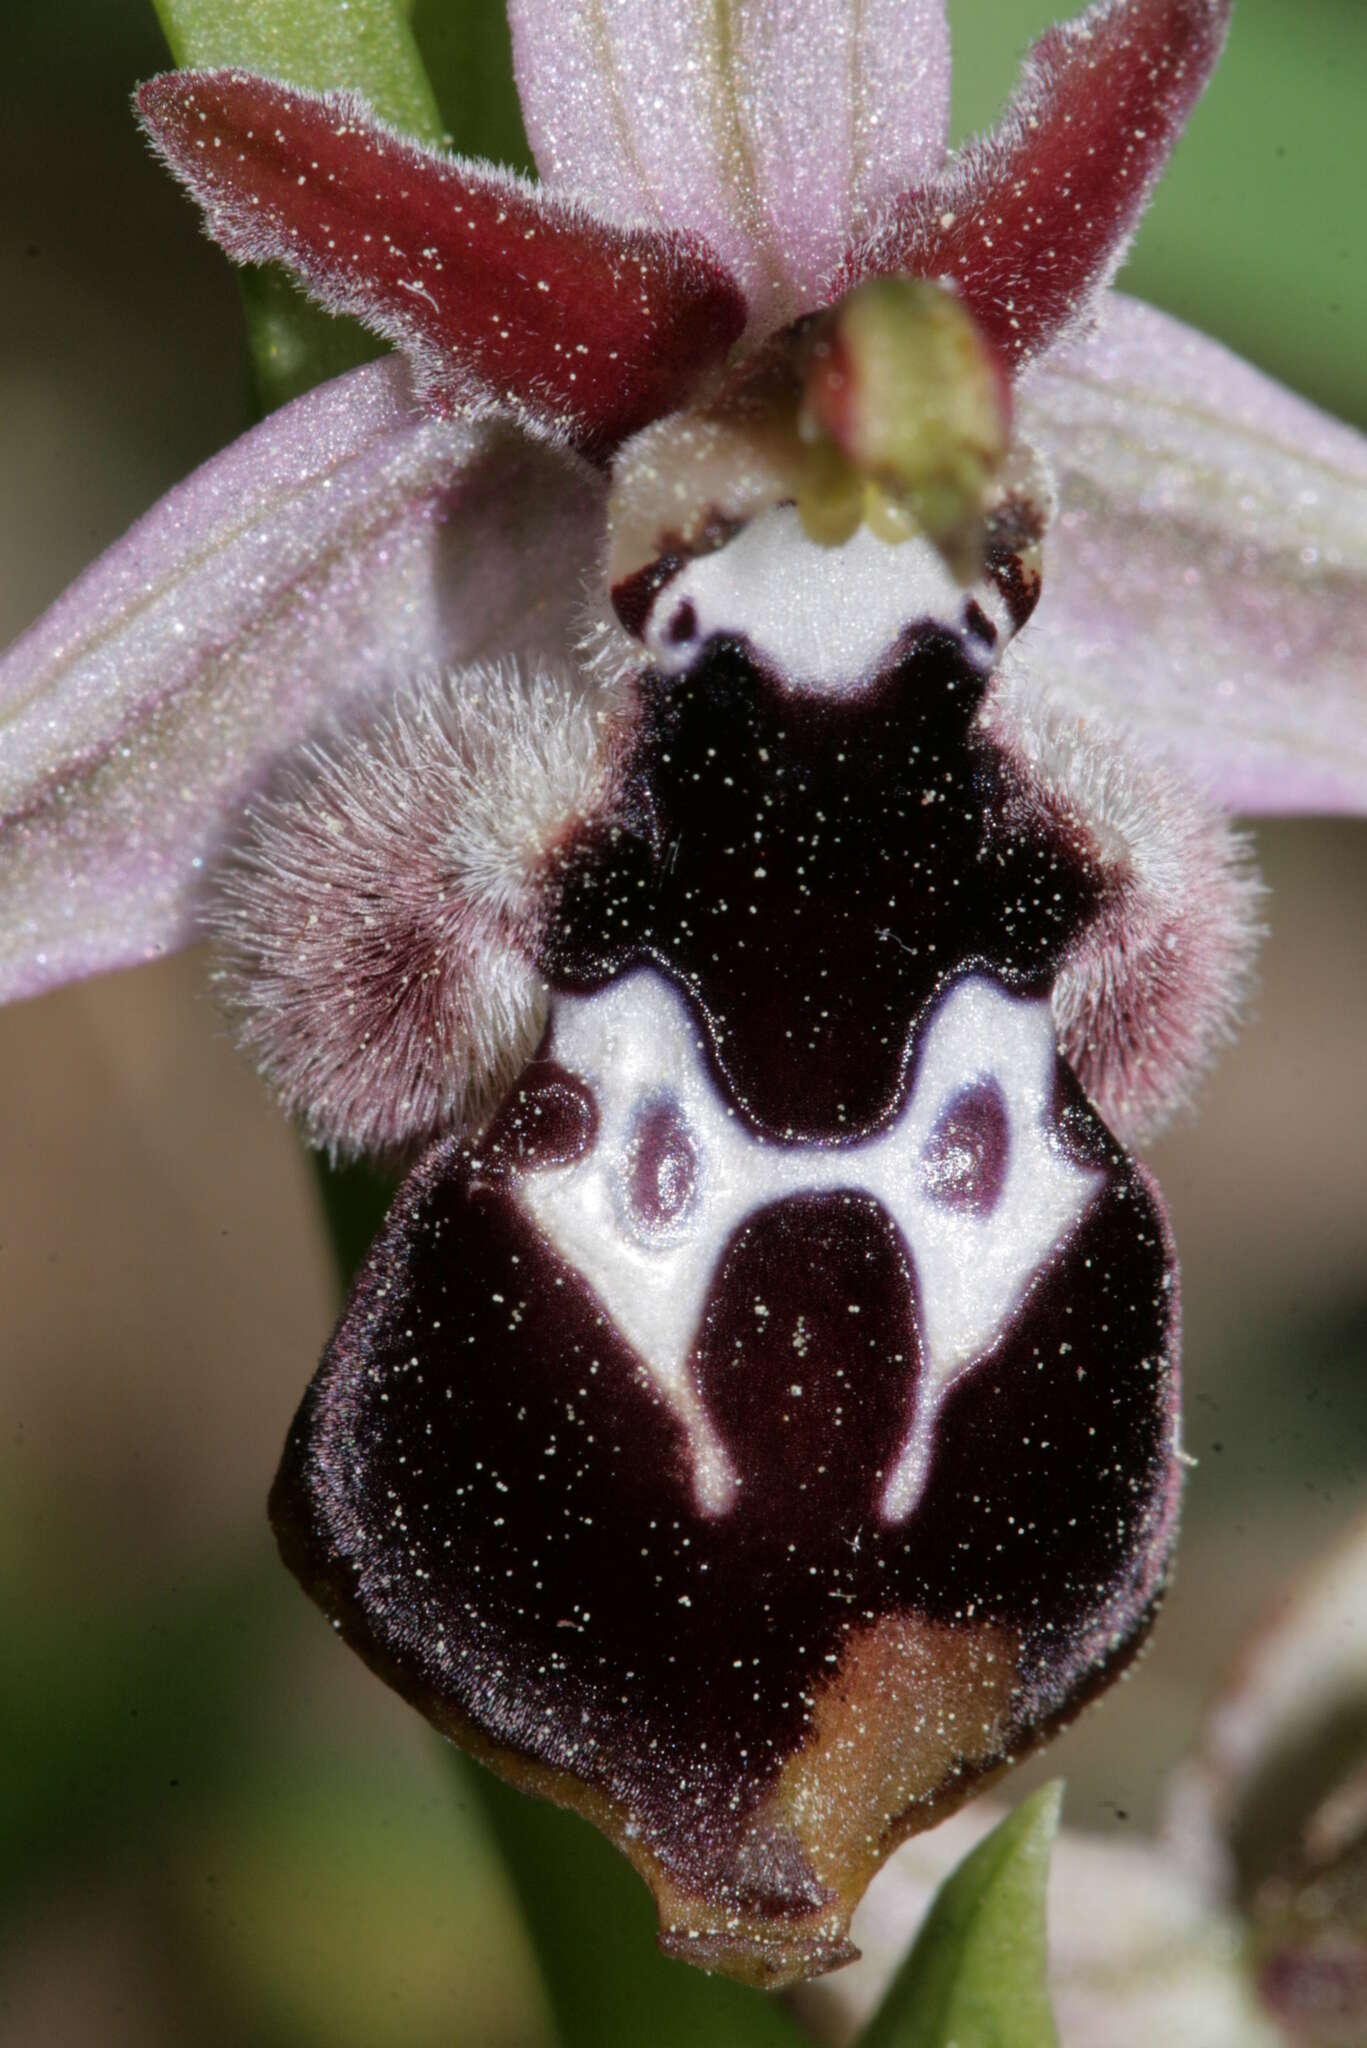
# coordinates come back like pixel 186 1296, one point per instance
pixel 797 1208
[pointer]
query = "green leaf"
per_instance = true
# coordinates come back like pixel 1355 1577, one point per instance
pixel 366 45
pixel 593 1928
pixel 977 1976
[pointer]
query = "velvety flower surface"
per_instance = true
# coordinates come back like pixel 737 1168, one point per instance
pixel 717 745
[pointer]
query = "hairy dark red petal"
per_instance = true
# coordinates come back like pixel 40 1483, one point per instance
pixel 493 287
pixel 1033 220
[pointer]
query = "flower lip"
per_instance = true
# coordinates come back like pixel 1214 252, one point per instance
pixel 565 1549
pixel 732 1491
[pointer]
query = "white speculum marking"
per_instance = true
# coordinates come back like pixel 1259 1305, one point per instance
pixel 823 618
pixel 646 1215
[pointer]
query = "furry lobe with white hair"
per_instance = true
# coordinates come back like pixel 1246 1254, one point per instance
pixel 1154 984
pixel 377 925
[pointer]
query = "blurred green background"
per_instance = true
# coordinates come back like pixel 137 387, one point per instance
pixel 215 1826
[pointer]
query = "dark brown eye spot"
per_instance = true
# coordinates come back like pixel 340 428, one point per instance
pixel 978 623
pixel 549 1120
pixel 684 624
pixel 965 1156
pixel 661 1166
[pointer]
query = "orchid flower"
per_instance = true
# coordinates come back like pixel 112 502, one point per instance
pixel 1242 1924
pixel 720 747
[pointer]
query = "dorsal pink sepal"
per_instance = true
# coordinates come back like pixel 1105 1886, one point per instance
pixel 495 289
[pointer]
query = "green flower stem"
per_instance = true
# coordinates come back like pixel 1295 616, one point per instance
pixel 354 1200
pixel 367 46
pixel 467 49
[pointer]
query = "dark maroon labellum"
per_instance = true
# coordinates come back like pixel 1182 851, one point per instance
pixel 765 1432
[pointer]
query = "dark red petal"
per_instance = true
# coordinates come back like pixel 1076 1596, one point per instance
pixel 493 287
pixel 1033 220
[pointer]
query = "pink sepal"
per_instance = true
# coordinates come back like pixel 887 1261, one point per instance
pixel 305 572
pixel 1206 580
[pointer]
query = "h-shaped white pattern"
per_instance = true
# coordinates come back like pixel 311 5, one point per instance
pixel 638 1047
